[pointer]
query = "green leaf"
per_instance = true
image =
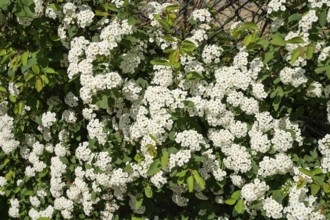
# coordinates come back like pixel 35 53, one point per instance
pixel 110 7
pixel 319 180
pixel 139 201
pixel 277 40
pixel 295 55
pixel 199 179
pixel 239 207
pixel 43 218
pixel 169 38
pixel 164 159
pixel 317 171
pixel 4 4
pixel 163 22
pixel 24 58
pixel 20 107
pixel 188 46
pixel 160 62
pixel 154 168
pixel 250 39
pixel 152 150
pixel 101 13
pixel 172 7
pixel 49 70
pixel 326 187
pixel 268 57
pixel 190 183
pixel 263 42
pixel 301 183
pixel 38 84
pixel 103 103
pixel 315 189
pixel 12 98
pixel 249 26
pixel 35 69
pixel 276 102
pixel 230 201
pixel 171 135
pixel 29 76
pixel 148 191
pixel 305 171
pixel 236 194
pixel 9 175
pixel 174 56
pixel 323 18
pixel 3 89
pixel 310 51
pixel 194 75
pixel 296 40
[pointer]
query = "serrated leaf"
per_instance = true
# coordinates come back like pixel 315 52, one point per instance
pixel 190 183
pixel 199 179
pixel 239 207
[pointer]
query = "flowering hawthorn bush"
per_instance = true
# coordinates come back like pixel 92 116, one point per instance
pixel 119 110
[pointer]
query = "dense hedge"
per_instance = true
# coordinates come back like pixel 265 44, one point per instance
pixel 123 110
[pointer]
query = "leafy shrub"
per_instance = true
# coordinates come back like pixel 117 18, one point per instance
pixel 121 109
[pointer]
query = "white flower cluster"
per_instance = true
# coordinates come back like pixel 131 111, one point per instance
pixel 276 5
pixel 14 208
pixel 7 137
pixel 281 164
pixel 254 191
pixel 179 159
pixel 273 209
pixel 302 206
pixel 211 53
pixel 324 148
pixel 201 15
pixel 190 139
pixel 307 21
pixel 48 119
pixel 293 76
